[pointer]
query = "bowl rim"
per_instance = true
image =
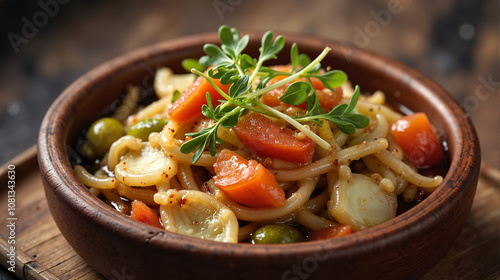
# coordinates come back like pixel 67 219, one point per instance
pixel 52 155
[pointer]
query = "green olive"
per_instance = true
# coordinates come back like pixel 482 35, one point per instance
pixel 101 135
pixel 277 233
pixel 143 128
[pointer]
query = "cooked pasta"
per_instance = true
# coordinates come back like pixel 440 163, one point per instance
pixel 354 180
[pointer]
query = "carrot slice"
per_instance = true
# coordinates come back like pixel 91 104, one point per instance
pixel 330 232
pixel 247 181
pixel 266 138
pixel 188 106
pixel 142 213
pixel 327 98
pixel 416 136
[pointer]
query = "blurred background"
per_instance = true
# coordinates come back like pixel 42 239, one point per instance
pixel 47 44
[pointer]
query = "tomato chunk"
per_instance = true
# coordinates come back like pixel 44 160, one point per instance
pixel 416 136
pixel 327 98
pixel 142 213
pixel 247 181
pixel 330 232
pixel 188 106
pixel 266 138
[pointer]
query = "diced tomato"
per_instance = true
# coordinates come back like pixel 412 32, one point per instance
pixel 266 138
pixel 330 232
pixel 188 106
pixel 142 213
pixel 327 98
pixel 416 136
pixel 247 181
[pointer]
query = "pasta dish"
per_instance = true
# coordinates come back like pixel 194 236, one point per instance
pixel 239 151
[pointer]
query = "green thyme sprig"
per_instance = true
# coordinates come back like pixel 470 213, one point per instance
pixel 232 66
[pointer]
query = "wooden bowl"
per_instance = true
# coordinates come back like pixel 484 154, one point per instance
pixel 405 247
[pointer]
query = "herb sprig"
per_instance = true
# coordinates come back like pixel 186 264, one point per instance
pixel 232 66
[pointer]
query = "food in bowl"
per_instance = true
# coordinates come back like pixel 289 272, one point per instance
pixel 115 244
pixel 261 154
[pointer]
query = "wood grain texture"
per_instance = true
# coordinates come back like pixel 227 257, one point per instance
pixel 41 250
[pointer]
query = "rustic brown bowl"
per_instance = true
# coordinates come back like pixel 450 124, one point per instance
pixel 117 246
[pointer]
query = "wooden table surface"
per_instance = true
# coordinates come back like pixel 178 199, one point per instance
pixel 43 253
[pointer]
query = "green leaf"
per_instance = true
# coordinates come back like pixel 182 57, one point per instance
pixel 191 145
pixel 339 110
pixel 296 93
pixel 217 55
pixel 247 62
pixel 274 49
pixel 204 61
pixel 278 45
pixel 242 44
pixel 294 56
pixel 218 74
pixel 200 150
pixel 266 41
pixel 304 60
pixel 220 111
pixel 353 101
pixel 212 144
pixel 332 79
pixel 358 120
pixel 346 127
pixel 313 104
pixel 175 95
pixel 264 80
pixel 190 63
pixel 229 51
pixel 229 76
pixel 207 109
pixel 240 87
pixel 315 68
pixel 230 121
pixel 269 48
pixel 232 45
pixel 225 35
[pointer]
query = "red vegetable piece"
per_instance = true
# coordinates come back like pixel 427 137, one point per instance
pixel 188 106
pixel 330 232
pixel 416 136
pixel 268 139
pixel 327 98
pixel 247 181
pixel 142 213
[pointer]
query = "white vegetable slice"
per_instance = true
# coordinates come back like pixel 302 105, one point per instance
pixel 166 82
pixel 145 167
pixel 197 214
pixel 358 201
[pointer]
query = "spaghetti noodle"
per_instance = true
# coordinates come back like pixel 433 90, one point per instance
pixel 358 181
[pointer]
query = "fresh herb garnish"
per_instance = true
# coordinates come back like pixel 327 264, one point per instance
pixel 232 66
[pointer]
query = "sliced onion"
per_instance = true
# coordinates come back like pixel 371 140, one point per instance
pixel 197 214
pixel 166 82
pixel 145 167
pixel 358 201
